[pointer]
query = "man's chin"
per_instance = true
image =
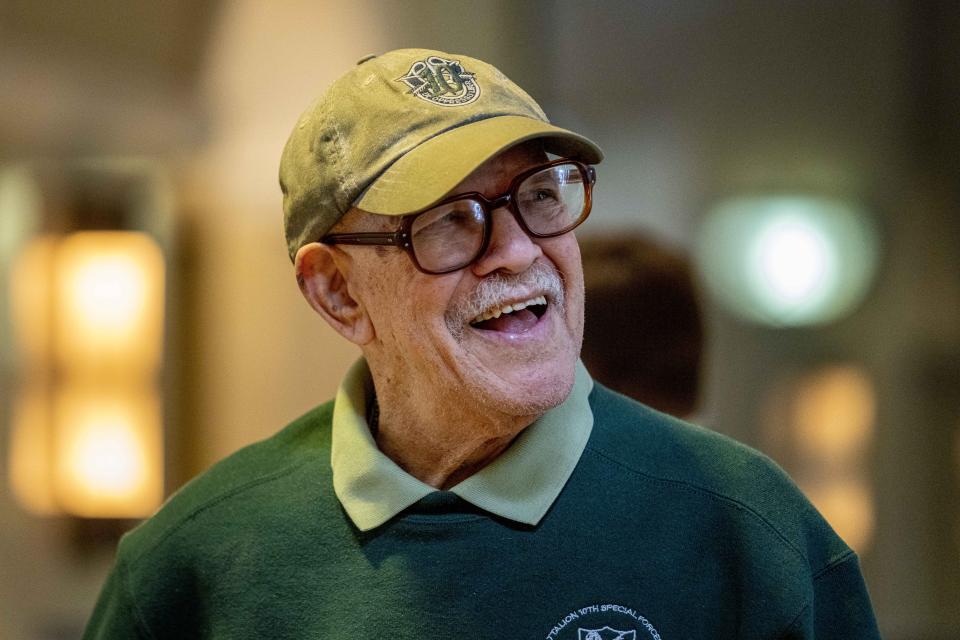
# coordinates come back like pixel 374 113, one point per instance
pixel 528 390
pixel 519 374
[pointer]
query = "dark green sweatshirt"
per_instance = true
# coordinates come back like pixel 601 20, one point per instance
pixel 664 530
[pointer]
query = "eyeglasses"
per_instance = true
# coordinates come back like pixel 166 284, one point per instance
pixel 546 201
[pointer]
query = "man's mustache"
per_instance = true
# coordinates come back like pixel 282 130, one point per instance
pixel 499 288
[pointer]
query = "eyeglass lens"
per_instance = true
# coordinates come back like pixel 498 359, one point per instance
pixel 450 236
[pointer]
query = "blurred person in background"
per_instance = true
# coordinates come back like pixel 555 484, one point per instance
pixel 470 479
pixel 638 287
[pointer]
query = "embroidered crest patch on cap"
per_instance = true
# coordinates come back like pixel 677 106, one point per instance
pixel 442 82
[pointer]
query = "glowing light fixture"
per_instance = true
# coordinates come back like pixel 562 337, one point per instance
pixel 847 504
pixel 787 260
pixel 109 447
pixel 834 414
pixel 109 301
pixel 87 311
pixel 820 425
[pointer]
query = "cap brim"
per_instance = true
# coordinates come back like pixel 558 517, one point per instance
pixel 431 170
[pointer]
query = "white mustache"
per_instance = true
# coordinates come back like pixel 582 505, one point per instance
pixel 497 289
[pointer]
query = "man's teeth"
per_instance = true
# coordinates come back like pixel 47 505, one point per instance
pixel 510 308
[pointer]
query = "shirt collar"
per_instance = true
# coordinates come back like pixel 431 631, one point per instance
pixel 520 484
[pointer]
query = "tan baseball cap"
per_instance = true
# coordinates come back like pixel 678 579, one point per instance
pixel 397 132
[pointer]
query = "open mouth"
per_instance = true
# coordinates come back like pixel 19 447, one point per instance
pixel 516 317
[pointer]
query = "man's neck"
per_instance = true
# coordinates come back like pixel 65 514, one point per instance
pixel 441 442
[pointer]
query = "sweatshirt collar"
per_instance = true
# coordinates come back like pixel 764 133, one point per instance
pixel 521 484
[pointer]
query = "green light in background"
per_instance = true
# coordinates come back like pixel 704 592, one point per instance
pixel 787 260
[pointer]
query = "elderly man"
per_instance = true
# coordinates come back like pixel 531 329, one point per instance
pixel 470 480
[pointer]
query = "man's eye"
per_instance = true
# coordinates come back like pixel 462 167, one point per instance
pixel 448 222
pixel 452 219
pixel 455 217
pixel 539 197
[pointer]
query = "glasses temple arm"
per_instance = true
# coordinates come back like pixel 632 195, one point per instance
pixel 385 239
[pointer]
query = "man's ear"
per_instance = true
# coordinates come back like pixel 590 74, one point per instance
pixel 323 275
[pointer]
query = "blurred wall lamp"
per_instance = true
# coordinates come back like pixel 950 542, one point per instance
pixel 788 259
pixel 87 314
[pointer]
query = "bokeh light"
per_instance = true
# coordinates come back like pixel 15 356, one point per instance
pixel 109 444
pixel 834 414
pixel 788 260
pixel 87 311
pixel 110 300
pixel 820 424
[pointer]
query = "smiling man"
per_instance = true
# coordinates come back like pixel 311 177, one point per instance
pixel 462 361
pixel 470 480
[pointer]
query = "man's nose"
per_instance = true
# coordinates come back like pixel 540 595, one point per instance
pixel 510 250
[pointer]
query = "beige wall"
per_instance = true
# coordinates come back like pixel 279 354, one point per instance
pixel 256 338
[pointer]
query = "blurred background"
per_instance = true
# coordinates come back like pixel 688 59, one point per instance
pixel 773 252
